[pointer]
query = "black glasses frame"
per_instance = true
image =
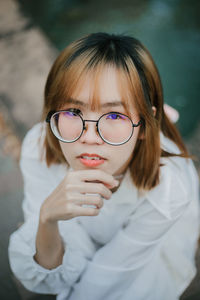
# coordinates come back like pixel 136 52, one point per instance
pixel 52 112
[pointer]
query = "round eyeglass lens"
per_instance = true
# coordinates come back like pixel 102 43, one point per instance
pixel 67 126
pixel 115 128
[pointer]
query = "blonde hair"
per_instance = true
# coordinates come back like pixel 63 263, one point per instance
pixel 139 84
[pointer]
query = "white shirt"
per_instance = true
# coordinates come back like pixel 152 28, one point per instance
pixel 139 247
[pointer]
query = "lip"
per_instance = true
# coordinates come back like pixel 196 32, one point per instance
pixel 90 162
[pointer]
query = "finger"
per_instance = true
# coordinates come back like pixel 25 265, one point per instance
pixel 171 112
pixel 98 175
pixel 94 200
pixel 86 211
pixel 95 188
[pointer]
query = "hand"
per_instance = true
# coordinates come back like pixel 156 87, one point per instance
pixel 78 188
pixel 171 113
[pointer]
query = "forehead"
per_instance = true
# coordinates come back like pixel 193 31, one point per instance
pixel 101 87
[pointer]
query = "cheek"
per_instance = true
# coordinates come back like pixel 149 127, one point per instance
pixel 128 150
pixel 130 145
pixel 67 150
pixel 123 153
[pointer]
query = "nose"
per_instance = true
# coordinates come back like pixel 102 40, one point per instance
pixel 90 134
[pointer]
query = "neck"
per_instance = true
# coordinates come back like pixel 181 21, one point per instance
pixel 119 178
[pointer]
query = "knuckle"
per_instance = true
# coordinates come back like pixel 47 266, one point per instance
pixel 68 207
pixel 94 212
pixel 104 191
pixel 99 202
pixel 70 198
pixel 71 176
pixel 69 187
pixel 109 193
pixel 101 187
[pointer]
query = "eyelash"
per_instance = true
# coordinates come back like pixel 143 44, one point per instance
pixel 76 111
pixel 79 112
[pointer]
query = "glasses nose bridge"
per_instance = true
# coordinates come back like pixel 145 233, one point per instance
pixel 93 121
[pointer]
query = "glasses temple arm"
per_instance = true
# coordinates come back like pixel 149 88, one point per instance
pixel 138 124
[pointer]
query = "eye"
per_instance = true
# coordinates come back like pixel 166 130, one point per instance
pixel 115 116
pixel 72 112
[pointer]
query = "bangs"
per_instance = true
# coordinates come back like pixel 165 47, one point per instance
pixel 80 73
pixel 88 58
pixel 131 90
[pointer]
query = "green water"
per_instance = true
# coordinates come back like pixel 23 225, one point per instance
pixel 169 28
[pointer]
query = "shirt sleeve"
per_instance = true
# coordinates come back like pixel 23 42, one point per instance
pixel 125 261
pixel 38 183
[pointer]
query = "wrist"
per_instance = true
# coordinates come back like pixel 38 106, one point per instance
pixel 45 218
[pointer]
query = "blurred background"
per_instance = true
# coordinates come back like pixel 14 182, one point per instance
pixel 32 32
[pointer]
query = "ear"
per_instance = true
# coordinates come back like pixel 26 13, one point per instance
pixel 154 110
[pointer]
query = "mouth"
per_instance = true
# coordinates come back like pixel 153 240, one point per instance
pixel 91 160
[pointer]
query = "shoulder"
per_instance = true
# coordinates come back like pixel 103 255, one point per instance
pixel 178 184
pixel 32 146
pixel 180 168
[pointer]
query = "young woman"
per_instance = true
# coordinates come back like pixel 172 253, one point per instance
pixel 111 195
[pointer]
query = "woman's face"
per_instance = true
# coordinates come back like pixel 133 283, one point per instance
pixel 82 154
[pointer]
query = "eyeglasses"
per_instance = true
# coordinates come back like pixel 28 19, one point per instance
pixel 114 128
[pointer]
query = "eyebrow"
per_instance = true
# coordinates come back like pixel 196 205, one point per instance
pixel 107 104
